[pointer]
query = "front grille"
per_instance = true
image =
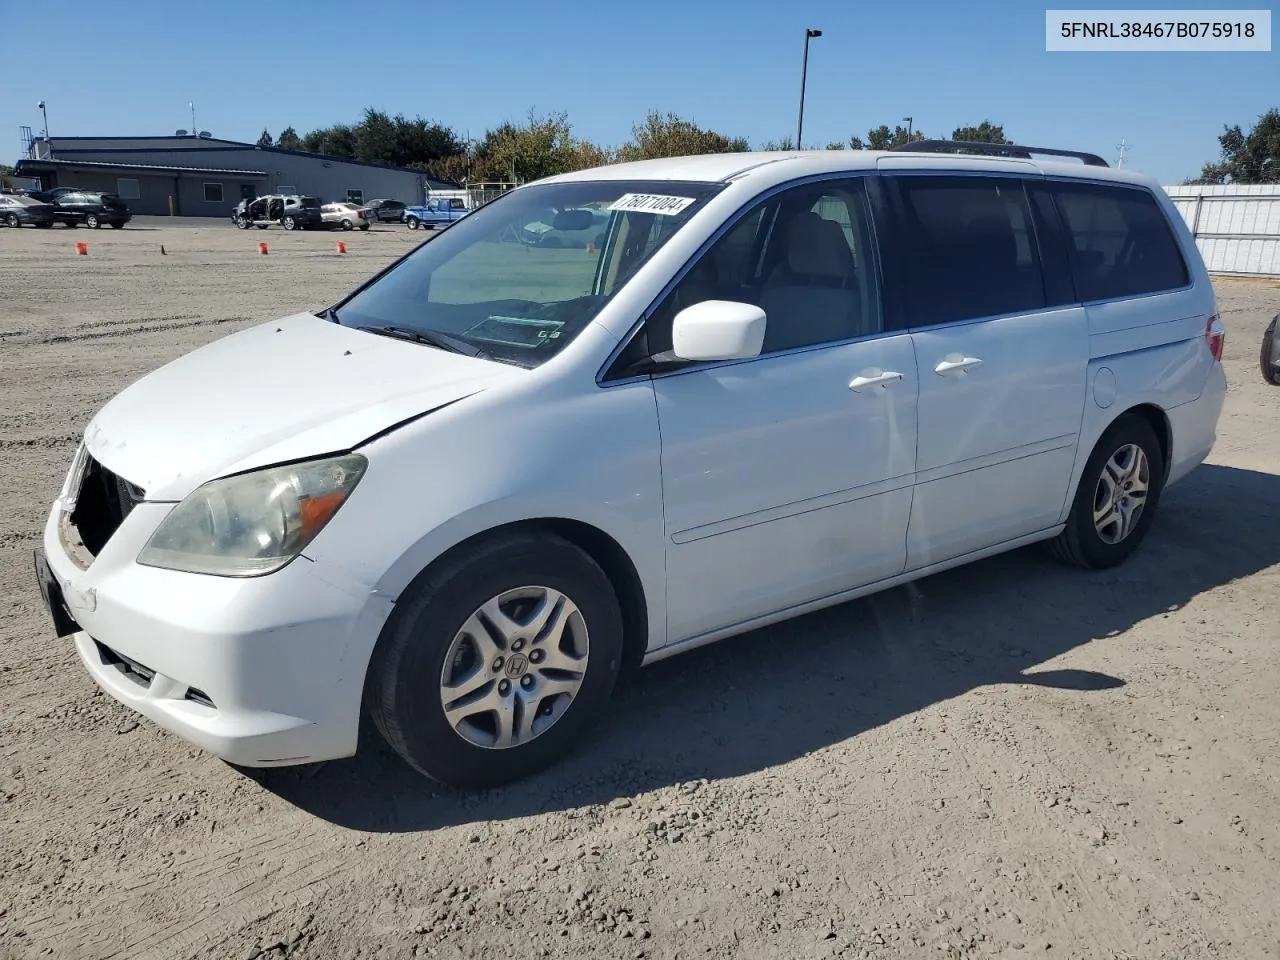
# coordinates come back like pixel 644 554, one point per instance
pixel 135 671
pixel 102 504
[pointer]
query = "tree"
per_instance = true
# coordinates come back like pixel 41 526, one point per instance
pixel 882 138
pixel 336 141
pixel 673 136
pixel 6 172
pixel 289 139
pixel 985 132
pixel 265 140
pixel 542 146
pixel 855 143
pixel 1252 157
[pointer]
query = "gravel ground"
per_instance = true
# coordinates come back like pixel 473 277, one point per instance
pixel 1009 760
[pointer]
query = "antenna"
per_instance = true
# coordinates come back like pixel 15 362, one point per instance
pixel 1122 147
pixel 194 128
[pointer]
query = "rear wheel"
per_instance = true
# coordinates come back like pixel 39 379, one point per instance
pixel 498 661
pixel 92 221
pixel 347 225
pixel 1117 497
pixel 12 220
pixel 1269 359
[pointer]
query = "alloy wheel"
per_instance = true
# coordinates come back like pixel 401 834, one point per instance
pixel 1121 493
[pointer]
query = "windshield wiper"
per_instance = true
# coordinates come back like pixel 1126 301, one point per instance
pixel 441 341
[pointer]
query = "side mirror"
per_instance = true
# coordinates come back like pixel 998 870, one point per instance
pixel 718 330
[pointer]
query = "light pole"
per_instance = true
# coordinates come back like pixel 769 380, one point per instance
pixel 908 119
pixel 804 72
pixel 45 113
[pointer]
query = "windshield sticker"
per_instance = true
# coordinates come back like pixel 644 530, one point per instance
pixel 516 331
pixel 651 203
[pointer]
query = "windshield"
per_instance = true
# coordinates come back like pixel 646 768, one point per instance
pixel 519 278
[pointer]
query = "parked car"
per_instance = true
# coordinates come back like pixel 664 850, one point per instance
pixel 436 212
pixel 348 216
pixel 386 211
pixel 1269 359
pixel 472 491
pixel 291 211
pixel 17 211
pixel 92 209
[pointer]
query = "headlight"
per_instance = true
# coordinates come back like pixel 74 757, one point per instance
pixel 254 523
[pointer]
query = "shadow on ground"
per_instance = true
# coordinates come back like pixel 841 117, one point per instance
pixel 773 695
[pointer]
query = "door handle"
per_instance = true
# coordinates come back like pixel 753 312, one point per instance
pixel 955 364
pixel 866 381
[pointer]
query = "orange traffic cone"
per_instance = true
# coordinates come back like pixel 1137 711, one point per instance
pixel 262 246
pixel 82 248
pixel 342 247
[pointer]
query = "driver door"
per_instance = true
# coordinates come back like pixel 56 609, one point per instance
pixel 786 478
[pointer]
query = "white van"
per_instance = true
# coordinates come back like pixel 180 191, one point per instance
pixel 468 494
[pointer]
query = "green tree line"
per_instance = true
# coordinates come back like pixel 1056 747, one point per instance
pixel 543 145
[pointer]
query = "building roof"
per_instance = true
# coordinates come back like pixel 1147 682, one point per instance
pixel 212 143
pixel 26 164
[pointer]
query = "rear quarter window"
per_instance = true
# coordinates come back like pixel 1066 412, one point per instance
pixel 1119 241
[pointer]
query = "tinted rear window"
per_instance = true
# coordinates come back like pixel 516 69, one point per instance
pixel 310 202
pixel 971 249
pixel 1120 242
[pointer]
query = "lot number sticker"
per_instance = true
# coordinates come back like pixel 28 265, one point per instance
pixel 651 203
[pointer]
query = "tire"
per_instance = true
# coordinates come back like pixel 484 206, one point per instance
pixel 364 226
pixel 347 225
pixel 412 222
pixel 117 225
pixel 1082 542
pixel 13 221
pixel 92 222
pixel 405 689
pixel 1269 357
pixel 289 223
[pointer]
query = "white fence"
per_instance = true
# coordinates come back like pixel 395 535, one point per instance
pixel 1237 228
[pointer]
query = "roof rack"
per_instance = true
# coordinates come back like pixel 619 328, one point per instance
pixel 995 149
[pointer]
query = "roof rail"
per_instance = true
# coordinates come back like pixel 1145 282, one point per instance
pixel 995 149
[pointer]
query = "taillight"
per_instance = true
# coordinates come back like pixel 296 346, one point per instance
pixel 1215 335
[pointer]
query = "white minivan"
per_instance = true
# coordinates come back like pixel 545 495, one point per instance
pixel 468 494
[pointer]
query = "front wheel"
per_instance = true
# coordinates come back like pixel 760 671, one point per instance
pixel 1117 497
pixel 12 220
pixel 412 222
pixel 497 662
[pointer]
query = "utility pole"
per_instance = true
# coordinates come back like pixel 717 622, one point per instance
pixel 1122 147
pixel 908 119
pixel 195 132
pixel 804 73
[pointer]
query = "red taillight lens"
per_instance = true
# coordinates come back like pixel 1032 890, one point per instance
pixel 1215 335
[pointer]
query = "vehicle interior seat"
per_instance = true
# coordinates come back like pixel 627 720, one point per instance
pixel 811 295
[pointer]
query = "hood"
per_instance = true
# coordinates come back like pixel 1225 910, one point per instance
pixel 285 390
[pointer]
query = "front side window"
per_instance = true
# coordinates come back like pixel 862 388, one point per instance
pixel 804 256
pixel 520 278
pixel 969 250
pixel 1120 242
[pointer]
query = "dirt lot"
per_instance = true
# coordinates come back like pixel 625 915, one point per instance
pixel 1010 760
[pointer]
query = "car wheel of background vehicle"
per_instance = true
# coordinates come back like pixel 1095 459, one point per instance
pixel 1269 359
pixel 117 225
pixel 347 225
pixel 497 661
pixel 364 226
pixel 289 223
pixel 1117 498
pixel 12 220
pixel 412 222
pixel 92 222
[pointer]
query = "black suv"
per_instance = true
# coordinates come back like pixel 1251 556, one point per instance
pixel 386 211
pixel 87 207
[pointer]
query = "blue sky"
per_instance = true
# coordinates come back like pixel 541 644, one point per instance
pixel 732 66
